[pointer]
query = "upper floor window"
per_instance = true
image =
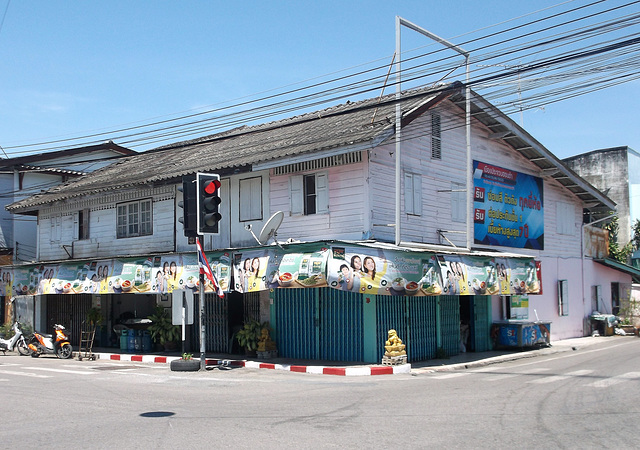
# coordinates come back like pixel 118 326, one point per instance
pixel 413 194
pixel 309 193
pixel 134 219
pixel 250 199
pixel 436 136
pixel 83 224
pixel 566 218
pixel 458 202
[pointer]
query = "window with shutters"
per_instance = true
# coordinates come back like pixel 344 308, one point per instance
pixel 566 218
pixel 413 194
pixel 134 219
pixel 458 202
pixel 250 199
pixel 309 194
pixel 55 232
pixel 83 224
pixel 436 136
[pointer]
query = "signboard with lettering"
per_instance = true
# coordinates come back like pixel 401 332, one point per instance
pixel 508 208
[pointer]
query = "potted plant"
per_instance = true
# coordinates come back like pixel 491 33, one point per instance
pixel 162 330
pixel 185 364
pixel 249 335
pixel 94 317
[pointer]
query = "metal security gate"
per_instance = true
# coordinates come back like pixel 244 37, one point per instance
pixel 341 331
pixel 296 328
pixel 422 340
pixel 415 319
pixel 449 321
pixel 216 323
pixel 391 313
pixel 481 323
pixel 319 324
pixel 24 309
pixel 69 311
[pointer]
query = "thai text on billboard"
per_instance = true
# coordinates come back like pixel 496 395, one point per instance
pixel 508 208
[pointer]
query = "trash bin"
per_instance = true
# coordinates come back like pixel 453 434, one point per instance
pixel 123 340
pixel 146 341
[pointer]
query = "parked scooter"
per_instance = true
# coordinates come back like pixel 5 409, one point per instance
pixel 47 344
pixel 16 342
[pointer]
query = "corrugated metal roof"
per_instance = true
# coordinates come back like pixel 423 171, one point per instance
pixel 504 128
pixel 40 158
pixel 339 126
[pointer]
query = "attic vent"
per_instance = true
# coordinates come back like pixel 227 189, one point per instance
pixel 436 140
pixel 329 161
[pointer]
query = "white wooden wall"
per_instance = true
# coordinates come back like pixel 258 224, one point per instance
pixel 348 207
pixel 103 241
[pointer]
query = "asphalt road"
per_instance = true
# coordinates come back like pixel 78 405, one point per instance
pixel 582 399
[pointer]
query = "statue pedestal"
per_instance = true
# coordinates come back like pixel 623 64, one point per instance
pixel 268 354
pixel 394 360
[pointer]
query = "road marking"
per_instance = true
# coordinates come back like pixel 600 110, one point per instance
pixel 503 376
pixel 451 375
pixel 24 374
pixel 551 379
pixel 48 369
pixel 616 380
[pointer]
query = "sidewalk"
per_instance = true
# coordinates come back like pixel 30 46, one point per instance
pixel 458 362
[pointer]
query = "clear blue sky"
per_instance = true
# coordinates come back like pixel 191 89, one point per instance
pixel 73 68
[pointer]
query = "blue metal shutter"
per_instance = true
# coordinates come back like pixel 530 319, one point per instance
pixel 341 329
pixel 296 312
pixel 422 338
pixel 450 324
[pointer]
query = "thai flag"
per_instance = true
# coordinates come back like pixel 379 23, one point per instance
pixel 206 270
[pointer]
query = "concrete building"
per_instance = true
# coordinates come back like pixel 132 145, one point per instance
pixel 616 172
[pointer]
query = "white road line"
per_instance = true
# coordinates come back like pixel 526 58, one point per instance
pixel 451 375
pixel 503 376
pixel 554 378
pixel 616 380
pixel 48 369
pixel 24 374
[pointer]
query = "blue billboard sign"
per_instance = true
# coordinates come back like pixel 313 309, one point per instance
pixel 508 209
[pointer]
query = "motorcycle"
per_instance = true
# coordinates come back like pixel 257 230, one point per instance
pixel 44 344
pixel 16 342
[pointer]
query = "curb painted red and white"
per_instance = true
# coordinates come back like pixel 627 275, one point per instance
pixel 318 370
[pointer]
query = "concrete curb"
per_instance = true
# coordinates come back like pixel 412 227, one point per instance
pixel 320 370
pixel 365 370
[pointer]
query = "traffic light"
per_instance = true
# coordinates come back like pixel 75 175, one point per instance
pixel 189 217
pixel 208 195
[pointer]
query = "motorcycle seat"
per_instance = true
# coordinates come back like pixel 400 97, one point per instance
pixel 46 335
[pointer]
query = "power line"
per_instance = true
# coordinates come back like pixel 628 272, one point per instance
pixel 142 135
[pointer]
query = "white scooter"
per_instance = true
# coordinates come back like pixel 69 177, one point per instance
pixel 17 341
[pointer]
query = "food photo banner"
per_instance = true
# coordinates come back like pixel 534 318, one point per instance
pixel 508 208
pixel 146 275
pixel 353 268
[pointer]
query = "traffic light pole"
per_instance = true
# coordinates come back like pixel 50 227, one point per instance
pixel 201 321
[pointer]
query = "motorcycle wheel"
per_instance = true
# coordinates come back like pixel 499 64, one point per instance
pixel 23 349
pixel 35 354
pixel 65 351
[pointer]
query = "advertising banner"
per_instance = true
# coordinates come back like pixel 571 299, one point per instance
pixel 152 274
pixel 349 267
pixel 508 207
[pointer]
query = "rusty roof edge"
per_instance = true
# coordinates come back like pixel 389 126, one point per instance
pixel 517 130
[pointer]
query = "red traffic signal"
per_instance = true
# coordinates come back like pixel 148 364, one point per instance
pixel 208 194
